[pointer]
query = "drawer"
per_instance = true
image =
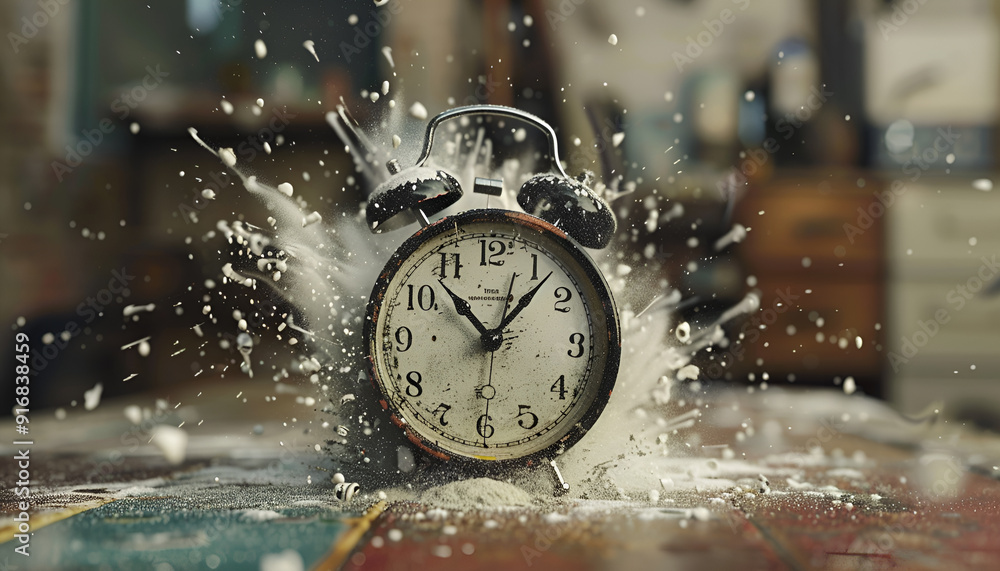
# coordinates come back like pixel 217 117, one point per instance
pixel 806 223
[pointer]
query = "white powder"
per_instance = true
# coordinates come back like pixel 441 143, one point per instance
pixel 477 493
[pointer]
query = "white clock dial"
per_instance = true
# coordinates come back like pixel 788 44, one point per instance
pixel 492 336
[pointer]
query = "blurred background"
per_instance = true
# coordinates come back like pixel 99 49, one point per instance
pixel 850 141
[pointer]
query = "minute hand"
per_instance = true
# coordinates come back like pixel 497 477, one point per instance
pixel 521 304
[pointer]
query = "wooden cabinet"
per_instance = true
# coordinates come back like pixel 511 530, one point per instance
pixel 814 254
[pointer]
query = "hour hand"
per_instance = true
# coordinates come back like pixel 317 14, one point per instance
pixel 522 303
pixel 463 308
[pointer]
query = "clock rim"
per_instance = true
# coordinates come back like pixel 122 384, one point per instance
pixel 612 362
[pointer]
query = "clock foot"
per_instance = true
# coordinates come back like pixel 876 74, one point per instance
pixel 563 486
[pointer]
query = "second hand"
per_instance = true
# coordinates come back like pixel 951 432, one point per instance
pixel 489 379
pixel 486 417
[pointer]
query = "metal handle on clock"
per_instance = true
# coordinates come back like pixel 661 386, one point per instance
pixel 558 199
pixel 501 110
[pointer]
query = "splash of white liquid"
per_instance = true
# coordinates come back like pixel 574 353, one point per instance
pixel 310 47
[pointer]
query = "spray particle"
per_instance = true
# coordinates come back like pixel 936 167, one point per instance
pixel 285 188
pixel 132 309
pixel 171 441
pixel 228 156
pixel 684 332
pixel 310 47
pixel 133 413
pixel 312 218
pixel 418 111
pixel 850 386
pixel 983 184
pixel 260 48
pixel 688 372
pixel 92 398
pixel 613 40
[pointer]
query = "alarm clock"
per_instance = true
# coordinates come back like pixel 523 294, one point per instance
pixel 490 335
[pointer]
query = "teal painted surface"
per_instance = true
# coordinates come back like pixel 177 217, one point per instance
pixel 175 533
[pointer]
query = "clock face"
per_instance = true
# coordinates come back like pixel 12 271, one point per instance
pixel 492 336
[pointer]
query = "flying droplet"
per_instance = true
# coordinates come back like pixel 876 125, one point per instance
pixel 310 46
pixel 418 111
pixel 228 156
